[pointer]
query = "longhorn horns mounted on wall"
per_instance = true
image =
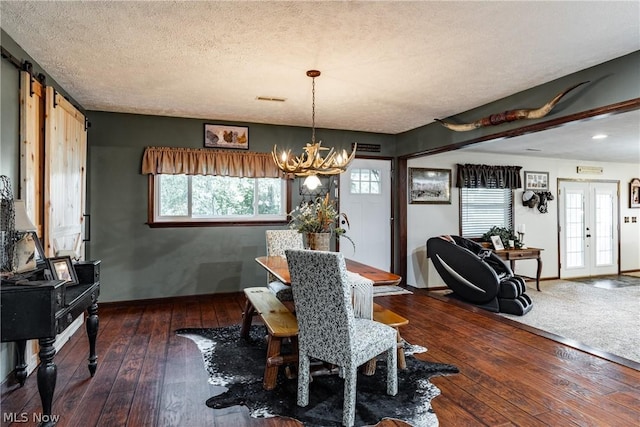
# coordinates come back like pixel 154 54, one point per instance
pixel 511 115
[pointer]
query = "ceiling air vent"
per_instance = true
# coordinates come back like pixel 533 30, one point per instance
pixel 270 98
pixel 371 148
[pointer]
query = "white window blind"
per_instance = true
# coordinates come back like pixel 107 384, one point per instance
pixel 483 208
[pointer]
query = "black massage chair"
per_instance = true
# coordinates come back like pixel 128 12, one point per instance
pixel 477 275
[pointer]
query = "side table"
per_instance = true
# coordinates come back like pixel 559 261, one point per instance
pixel 513 255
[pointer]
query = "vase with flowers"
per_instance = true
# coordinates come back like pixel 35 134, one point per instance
pixel 318 221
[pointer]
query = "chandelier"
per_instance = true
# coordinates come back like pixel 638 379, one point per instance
pixel 311 163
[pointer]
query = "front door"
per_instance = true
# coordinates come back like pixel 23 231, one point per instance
pixel 365 197
pixel 588 228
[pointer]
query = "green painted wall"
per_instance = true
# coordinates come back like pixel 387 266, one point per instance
pixel 9 123
pixel 139 262
pixel 611 82
pixel 9 117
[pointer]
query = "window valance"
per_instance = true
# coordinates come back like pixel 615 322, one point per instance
pixel 484 176
pixel 199 161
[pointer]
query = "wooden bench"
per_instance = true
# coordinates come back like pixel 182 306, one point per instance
pixel 280 323
pixel 388 317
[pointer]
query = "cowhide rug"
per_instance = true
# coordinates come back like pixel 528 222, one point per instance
pixel 237 366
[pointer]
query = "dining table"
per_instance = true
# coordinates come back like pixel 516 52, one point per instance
pixel 277 266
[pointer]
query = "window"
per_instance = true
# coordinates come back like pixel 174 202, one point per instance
pixel 364 181
pixel 213 198
pixel 483 208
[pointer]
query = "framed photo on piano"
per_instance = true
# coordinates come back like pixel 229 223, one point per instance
pixel 62 269
pixel 28 254
pixel 41 260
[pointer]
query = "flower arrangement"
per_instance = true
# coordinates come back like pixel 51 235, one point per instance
pixel 320 216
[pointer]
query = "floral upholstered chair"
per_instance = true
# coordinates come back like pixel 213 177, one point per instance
pixel 327 328
pixel 277 242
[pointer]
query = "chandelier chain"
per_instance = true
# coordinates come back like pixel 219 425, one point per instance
pixel 311 162
pixel 313 110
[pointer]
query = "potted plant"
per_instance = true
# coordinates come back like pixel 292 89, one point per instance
pixel 505 234
pixel 318 220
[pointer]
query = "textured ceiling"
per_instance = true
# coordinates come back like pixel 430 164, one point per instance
pixel 386 67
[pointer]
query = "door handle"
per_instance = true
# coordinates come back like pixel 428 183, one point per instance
pixel 87 228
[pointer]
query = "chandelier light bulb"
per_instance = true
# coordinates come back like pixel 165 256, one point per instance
pixel 312 182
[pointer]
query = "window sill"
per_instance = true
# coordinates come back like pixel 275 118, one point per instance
pixel 181 224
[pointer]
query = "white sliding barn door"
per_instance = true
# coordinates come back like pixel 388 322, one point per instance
pixel 32 118
pixel 65 177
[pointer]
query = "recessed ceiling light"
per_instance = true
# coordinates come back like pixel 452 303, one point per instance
pixel 599 136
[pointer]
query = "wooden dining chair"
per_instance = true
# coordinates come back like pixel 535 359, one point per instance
pixel 328 329
pixel 277 242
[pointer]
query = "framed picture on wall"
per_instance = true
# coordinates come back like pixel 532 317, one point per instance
pixel 634 193
pixel 223 136
pixel 428 185
pixel 536 181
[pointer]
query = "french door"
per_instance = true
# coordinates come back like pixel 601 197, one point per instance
pixel 589 227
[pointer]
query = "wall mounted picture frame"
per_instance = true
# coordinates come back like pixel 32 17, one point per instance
pixel 224 136
pixel 634 193
pixel 62 269
pixel 536 181
pixel 497 243
pixel 429 186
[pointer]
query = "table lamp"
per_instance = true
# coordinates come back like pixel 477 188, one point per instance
pixel 24 257
pixel 22 221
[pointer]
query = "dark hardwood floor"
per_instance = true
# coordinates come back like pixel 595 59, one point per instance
pixel 148 376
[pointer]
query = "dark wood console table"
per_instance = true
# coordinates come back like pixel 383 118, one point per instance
pixel 41 309
pixel 513 255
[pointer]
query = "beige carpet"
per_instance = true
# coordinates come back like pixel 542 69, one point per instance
pixel 605 319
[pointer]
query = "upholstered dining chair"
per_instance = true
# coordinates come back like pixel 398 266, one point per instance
pixel 277 242
pixel 328 329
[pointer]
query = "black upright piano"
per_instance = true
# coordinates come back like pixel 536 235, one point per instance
pixel 35 308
